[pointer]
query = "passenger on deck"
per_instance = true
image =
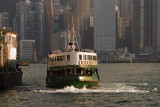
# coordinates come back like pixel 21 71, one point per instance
pixel 17 66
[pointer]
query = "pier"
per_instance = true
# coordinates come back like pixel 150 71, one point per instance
pixel 10 79
pixel 10 73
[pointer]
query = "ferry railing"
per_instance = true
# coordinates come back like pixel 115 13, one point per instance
pixel 60 63
pixel 87 62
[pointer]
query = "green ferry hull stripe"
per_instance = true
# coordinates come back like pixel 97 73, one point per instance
pixel 70 81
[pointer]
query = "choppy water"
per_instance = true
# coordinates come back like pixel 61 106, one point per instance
pixel 121 85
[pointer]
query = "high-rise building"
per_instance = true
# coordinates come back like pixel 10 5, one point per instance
pixel 4 19
pixel 31 24
pixel 27 48
pixel 83 18
pixel 104 29
pixel 125 8
pixel 125 24
pixel 148 26
pixel 138 26
pixel 144 37
pixel 156 25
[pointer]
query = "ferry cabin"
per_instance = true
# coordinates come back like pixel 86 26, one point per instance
pixel 64 64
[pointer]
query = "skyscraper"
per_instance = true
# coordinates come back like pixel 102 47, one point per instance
pixel 125 8
pixel 138 26
pixel 156 25
pixel 148 26
pixel 144 26
pixel 104 29
pixel 4 19
pixel 31 23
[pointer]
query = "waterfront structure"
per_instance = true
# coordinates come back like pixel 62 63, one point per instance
pixel 104 29
pixel 8 48
pixel 27 48
pixel 10 74
pixel 31 24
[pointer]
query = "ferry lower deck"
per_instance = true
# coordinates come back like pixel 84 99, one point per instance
pixel 76 76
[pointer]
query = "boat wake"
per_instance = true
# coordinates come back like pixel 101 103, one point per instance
pixel 103 88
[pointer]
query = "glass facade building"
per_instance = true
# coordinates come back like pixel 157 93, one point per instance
pixel 104 29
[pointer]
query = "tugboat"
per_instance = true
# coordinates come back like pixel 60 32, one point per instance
pixel 72 67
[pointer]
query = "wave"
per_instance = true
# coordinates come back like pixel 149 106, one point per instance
pixel 104 88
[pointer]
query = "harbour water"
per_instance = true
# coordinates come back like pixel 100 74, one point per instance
pixel 130 84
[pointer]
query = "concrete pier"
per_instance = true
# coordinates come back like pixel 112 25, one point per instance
pixel 10 79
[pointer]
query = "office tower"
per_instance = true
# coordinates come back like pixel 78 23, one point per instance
pixel 54 22
pixel 48 24
pixel 148 26
pixel 31 24
pixel 27 48
pixel 125 24
pixel 83 16
pixel 104 29
pixel 138 26
pixel 4 19
pixel 117 17
pixel 144 20
pixel 156 25
pixel 125 8
pixel 15 25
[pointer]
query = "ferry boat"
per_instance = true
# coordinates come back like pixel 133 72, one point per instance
pixel 72 67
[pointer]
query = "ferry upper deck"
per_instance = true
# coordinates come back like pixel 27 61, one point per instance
pixel 82 58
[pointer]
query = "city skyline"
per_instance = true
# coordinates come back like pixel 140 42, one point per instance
pixel 104 26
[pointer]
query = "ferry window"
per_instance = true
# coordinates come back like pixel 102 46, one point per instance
pixel 87 57
pixel 52 60
pixel 80 57
pixel 91 57
pixel 69 72
pixel 88 72
pixel 63 58
pixel 84 57
pixel 60 58
pixel 94 58
pixel 74 71
pixel 68 57
pixel 55 59
pixel 80 71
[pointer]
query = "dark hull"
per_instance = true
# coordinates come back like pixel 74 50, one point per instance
pixel 61 82
pixel 10 79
